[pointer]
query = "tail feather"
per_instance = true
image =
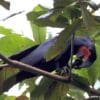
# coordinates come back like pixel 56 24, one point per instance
pixel 20 76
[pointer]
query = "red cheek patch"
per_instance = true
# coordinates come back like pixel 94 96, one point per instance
pixel 85 52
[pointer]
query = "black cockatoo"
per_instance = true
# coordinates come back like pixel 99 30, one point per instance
pixel 84 49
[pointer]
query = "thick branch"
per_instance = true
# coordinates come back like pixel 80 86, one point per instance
pixel 33 69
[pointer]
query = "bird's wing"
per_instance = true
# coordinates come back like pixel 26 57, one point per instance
pixel 38 54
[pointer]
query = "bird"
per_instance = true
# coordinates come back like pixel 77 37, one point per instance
pixel 83 48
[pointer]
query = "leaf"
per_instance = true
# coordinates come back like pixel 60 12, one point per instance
pixel 5 31
pixel 83 31
pixel 36 12
pixel 41 88
pixel 95 74
pixel 39 33
pixel 5 4
pixel 48 18
pixel 62 3
pixel 89 73
pixel 97 18
pixel 92 4
pixel 60 22
pixel 87 18
pixel 77 94
pixel 30 82
pixel 13 43
pixel 61 42
pixel 7 84
pixel 80 82
pixel 21 98
pixel 57 91
pixel 56 17
pixel 2 97
pixel 10 98
pixel 52 18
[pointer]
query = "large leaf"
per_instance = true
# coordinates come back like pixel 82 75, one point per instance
pixel 57 17
pixel 36 12
pixel 87 18
pixel 41 89
pixel 57 91
pixel 39 33
pixel 96 65
pixel 13 43
pixel 11 40
pixel 52 18
pixel 76 93
pixel 80 82
pixel 62 3
pixel 62 40
pixel 47 18
pixel 5 31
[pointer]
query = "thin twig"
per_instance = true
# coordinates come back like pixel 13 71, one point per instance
pixel 72 50
pixel 12 15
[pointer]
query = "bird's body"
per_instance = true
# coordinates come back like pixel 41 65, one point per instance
pixel 35 56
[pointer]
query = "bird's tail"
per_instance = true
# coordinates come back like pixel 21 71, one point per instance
pixel 11 81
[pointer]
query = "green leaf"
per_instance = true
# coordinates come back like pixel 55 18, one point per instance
pixel 2 97
pixel 39 33
pixel 57 91
pixel 89 73
pixel 48 18
pixel 62 3
pixel 30 82
pixel 36 12
pixel 41 89
pixel 92 4
pixel 62 40
pixel 95 74
pixel 52 18
pixel 20 98
pixel 5 31
pixel 10 98
pixel 80 82
pixel 87 18
pixel 13 43
pixel 10 44
pixel 76 93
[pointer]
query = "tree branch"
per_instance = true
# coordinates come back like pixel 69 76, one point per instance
pixel 3 66
pixel 12 15
pixel 33 69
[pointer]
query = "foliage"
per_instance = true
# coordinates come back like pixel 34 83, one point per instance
pixel 5 4
pixel 73 17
